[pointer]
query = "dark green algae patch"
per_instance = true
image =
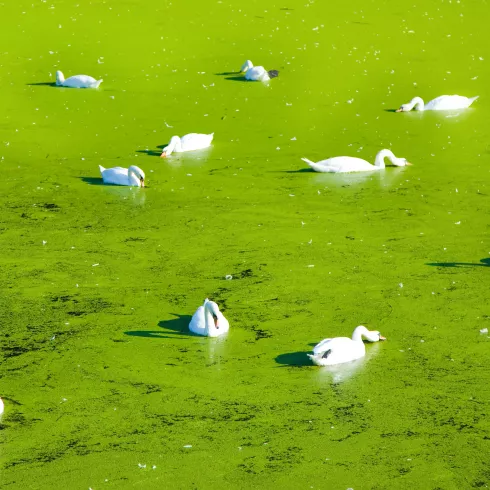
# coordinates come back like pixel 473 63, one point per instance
pixel 103 384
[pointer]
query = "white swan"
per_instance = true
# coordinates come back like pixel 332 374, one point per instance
pixel 353 164
pixel 77 81
pixel 132 176
pixel 189 142
pixel 208 320
pixel 1 407
pixel 442 103
pixel 257 73
pixel 342 349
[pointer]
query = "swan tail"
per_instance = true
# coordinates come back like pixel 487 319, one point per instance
pixel 101 168
pixel 97 83
pixel 472 99
pixel 321 347
pixel 273 73
pixel 309 162
pixel 315 359
pixel 313 165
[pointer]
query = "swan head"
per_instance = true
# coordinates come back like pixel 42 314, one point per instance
pixel 369 335
pixel 170 147
pixel 138 173
pixel 377 336
pixel 404 108
pixel 246 66
pixel 212 308
pixel 401 162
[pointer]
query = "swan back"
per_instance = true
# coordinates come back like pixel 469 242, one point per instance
pixel 77 81
pixel 448 102
pixel 257 73
pixel 341 165
pixel 196 141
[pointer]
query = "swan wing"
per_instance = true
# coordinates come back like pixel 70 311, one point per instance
pixel 81 81
pixel 338 350
pixel 342 165
pixel 447 102
pixel 321 346
pixel 115 175
pixel 257 73
pixel 198 323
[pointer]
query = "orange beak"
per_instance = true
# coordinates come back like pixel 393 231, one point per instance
pixel 399 110
pixel 163 155
pixel 382 338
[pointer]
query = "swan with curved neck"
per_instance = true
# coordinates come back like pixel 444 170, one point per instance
pixel 442 103
pixel 189 142
pixel 257 73
pixel 77 81
pixel 132 176
pixel 353 164
pixel 208 320
pixel 342 349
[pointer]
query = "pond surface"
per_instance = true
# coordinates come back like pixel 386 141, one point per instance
pixel 104 386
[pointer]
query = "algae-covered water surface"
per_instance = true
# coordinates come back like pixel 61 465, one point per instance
pixel 103 385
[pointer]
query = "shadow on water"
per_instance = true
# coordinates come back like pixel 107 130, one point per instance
pixel 307 170
pixel 151 153
pixel 227 73
pixel 47 84
pixel 294 359
pixel 92 180
pixel 484 263
pixel 175 326
pixel 240 78
pixel 236 76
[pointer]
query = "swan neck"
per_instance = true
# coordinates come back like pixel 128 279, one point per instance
pixel 380 158
pixel 174 145
pixel 417 103
pixel 133 178
pixel 358 333
pixel 208 319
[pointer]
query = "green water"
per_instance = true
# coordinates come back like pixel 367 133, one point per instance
pixel 98 283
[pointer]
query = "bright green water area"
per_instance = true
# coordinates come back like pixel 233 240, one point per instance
pixel 99 374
